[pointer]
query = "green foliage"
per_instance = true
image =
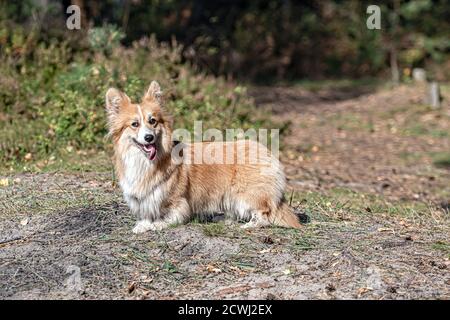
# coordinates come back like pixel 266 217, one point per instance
pixel 442 159
pixel 52 101
pixel 105 38
pixel 266 39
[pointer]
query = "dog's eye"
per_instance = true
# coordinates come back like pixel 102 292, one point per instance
pixel 152 121
pixel 135 124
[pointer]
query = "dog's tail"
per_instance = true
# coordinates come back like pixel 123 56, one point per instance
pixel 284 216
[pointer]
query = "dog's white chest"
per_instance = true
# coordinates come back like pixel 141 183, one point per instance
pixel 135 166
pixel 143 197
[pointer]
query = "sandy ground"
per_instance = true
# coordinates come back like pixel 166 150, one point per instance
pixel 378 213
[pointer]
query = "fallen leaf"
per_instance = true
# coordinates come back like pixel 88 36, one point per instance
pixel 24 221
pixel 404 223
pixel 267 240
pixel 145 279
pixel 330 287
pixel 212 269
pixel 363 290
pixel 4 182
pixel 236 289
pixel 264 285
pixel 131 287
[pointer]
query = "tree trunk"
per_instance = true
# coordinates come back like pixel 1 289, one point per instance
pixel 394 43
pixel 394 65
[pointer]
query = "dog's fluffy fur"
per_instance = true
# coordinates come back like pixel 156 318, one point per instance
pixel 162 192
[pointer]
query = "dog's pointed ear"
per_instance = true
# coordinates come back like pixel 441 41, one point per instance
pixel 154 92
pixel 115 99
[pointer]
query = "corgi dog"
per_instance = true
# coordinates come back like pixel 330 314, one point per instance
pixel 162 191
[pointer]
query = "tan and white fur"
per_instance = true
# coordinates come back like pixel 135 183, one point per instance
pixel 162 192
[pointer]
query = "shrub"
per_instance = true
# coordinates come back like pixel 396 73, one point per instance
pixel 52 95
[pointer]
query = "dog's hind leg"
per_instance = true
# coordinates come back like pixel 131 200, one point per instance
pixel 258 220
pixel 255 208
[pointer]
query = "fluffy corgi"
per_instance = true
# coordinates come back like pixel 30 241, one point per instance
pixel 161 191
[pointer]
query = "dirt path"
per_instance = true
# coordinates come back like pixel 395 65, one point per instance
pixel 357 164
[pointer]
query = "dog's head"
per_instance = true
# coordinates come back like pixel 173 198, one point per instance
pixel 145 125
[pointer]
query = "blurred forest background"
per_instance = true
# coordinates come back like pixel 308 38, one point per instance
pixel 55 78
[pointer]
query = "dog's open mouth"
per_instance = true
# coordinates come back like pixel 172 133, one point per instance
pixel 149 149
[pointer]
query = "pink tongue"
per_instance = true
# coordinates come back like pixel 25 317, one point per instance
pixel 151 151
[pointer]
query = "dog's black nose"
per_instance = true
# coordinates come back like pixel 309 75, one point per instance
pixel 149 138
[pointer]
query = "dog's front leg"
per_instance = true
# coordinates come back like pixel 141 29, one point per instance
pixel 144 223
pixel 143 226
pixel 176 214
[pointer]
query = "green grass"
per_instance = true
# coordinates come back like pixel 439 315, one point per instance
pixel 317 85
pixel 410 157
pixel 35 196
pixel 419 130
pixel 410 120
pixel 99 161
pixel 441 159
pixel 56 95
pixel 442 246
pixel 349 122
pixel 213 229
pixel 341 204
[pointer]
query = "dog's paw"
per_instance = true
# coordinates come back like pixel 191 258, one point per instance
pixel 249 225
pixel 158 226
pixel 142 226
pixel 254 223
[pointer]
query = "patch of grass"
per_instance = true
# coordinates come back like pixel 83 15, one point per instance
pixel 56 95
pixel 169 267
pixel 334 205
pixel 31 196
pixel 339 83
pixel 297 240
pixel 442 246
pixel 243 265
pixel 303 243
pixel 418 130
pixel 213 229
pixel 441 160
pixel 417 120
pixel 349 122
pixel 81 161
pixel 342 204
pixel 410 157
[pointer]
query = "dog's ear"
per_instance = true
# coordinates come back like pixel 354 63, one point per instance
pixel 115 99
pixel 154 92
